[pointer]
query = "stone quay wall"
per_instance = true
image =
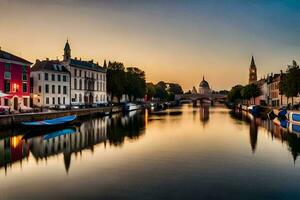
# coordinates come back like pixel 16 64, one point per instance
pixel 16 119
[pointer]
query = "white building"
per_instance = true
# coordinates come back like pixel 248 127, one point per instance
pixel 204 87
pixel 88 80
pixel 51 84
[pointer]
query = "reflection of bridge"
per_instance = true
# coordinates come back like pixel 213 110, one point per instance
pixel 201 97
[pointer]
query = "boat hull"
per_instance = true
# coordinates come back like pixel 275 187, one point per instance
pixel 51 122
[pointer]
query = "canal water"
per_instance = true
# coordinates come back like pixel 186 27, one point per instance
pixel 186 153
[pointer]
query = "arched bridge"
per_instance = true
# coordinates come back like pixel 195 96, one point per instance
pixel 201 97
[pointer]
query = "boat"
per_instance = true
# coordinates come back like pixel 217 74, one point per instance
pixel 294 117
pixel 254 110
pixel 51 122
pixel 130 107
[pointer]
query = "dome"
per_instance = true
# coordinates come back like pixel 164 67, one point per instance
pixel 204 84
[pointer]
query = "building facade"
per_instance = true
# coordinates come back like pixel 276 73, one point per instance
pixel 204 87
pixel 252 72
pixel 14 80
pixel 88 80
pixel 51 84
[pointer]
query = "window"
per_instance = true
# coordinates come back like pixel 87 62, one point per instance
pixel 75 83
pixel 75 72
pixel 46 76
pixel 80 84
pixel 80 73
pixel 84 73
pixel 59 89
pixel 7 75
pixel 75 97
pixel 47 100
pixel 58 100
pixel 53 89
pixel 24 86
pixel 53 77
pixel 64 78
pixel 80 98
pixel 40 89
pixel 7 67
pixel 24 69
pixel 47 88
pixel 53 100
pixel 64 100
pixel 58 77
pixel 65 89
pixel 6 86
pixel 39 76
pixel 24 77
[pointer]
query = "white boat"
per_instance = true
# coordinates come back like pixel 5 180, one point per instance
pixel 130 107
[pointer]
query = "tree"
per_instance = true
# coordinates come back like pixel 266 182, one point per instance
pixel 135 82
pixel 175 88
pixel 234 95
pixel 161 91
pixel 150 90
pixel 291 81
pixel 116 79
pixel 250 91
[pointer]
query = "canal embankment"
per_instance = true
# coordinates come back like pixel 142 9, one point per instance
pixel 16 119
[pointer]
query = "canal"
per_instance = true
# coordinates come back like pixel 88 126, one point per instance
pixel 187 153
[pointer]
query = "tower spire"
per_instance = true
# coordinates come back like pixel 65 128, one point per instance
pixel 67 51
pixel 252 71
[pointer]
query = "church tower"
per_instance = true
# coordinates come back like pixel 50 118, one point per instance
pixel 252 72
pixel 67 51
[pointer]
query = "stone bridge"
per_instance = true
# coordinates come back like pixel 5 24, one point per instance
pixel 201 97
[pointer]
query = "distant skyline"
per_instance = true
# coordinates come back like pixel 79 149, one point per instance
pixel 174 41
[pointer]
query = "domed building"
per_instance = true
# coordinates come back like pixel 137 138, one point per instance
pixel 204 87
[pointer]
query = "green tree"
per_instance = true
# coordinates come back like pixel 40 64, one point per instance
pixel 291 81
pixel 250 91
pixel 150 90
pixel 234 95
pixel 175 88
pixel 116 79
pixel 135 82
pixel 161 90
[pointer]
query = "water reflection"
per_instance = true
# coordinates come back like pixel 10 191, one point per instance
pixel 276 132
pixel 13 150
pixel 72 140
pixel 204 114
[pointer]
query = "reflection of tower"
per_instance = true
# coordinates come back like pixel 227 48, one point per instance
pixel 253 135
pixel 67 161
pixel 204 114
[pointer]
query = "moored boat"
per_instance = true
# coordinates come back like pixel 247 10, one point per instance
pixel 294 117
pixel 51 122
pixel 130 107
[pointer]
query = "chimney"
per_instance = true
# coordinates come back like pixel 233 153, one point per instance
pixel 75 58
pixel 47 59
pixel 37 61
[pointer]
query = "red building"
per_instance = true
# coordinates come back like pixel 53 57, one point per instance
pixel 14 80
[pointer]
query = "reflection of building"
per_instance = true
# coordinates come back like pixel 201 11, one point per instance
pixel 88 79
pixel 12 149
pixel 204 114
pixel 90 133
pixel 204 87
pixel 51 83
pixel 253 134
pixel 14 80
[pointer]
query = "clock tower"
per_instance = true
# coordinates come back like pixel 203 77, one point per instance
pixel 252 72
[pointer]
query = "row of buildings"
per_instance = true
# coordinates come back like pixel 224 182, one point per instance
pixel 50 83
pixel 271 93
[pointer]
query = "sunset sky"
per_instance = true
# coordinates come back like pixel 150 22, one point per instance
pixel 175 41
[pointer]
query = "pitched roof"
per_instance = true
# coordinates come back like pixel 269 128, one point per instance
pixel 8 56
pixel 51 65
pixel 87 65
